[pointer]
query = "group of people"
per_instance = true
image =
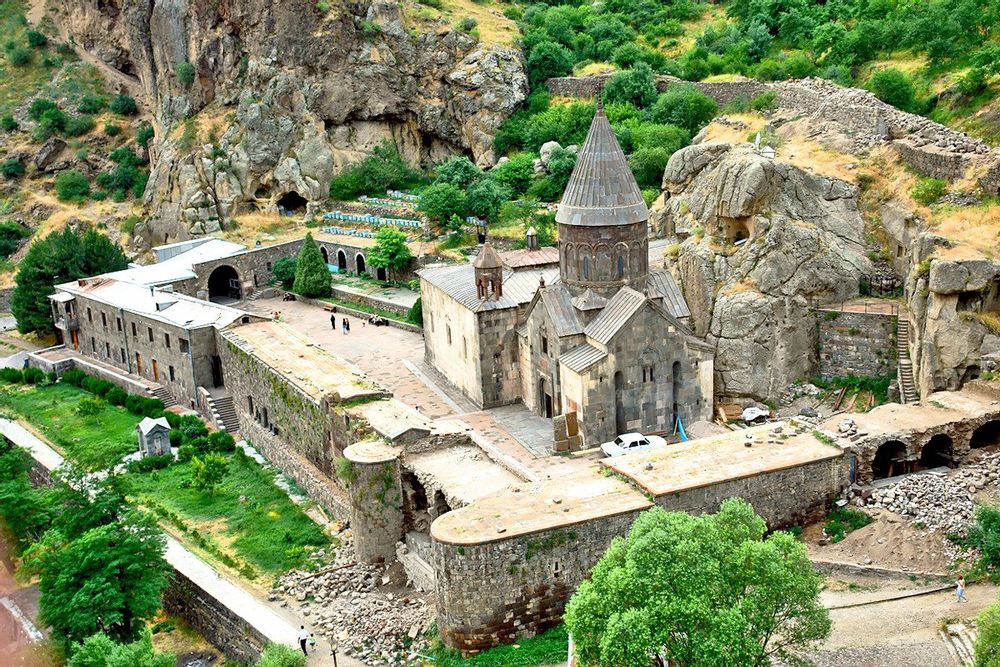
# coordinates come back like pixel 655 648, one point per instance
pixel 378 321
pixel 345 325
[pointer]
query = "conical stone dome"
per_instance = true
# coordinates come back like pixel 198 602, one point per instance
pixel 602 190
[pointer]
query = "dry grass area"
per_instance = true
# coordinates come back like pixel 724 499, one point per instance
pixel 249 227
pixel 675 46
pixel 493 26
pixel 592 69
pixel 717 131
pixel 976 228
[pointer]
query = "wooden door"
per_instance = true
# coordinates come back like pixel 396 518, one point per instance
pixel 138 363
pixel 156 371
pixel 75 337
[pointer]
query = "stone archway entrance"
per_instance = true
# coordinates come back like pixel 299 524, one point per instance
pixel 380 273
pixel 326 255
pixel 937 452
pixel 224 285
pixel 987 435
pixel 341 261
pixel 890 460
pixel 359 263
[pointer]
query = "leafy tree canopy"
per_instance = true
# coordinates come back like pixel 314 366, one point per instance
pixel 99 650
pixel 635 86
pixel 988 643
pixel 390 250
pixel 486 197
pixel 58 258
pixel 441 201
pixel 284 271
pixel 683 105
pixel 458 170
pixel 706 590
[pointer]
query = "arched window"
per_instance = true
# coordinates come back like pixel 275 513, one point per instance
pixel 586 268
pixel 621 266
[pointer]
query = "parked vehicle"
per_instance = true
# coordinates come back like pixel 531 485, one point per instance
pixel 627 443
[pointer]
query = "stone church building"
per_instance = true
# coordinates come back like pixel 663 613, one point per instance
pixel 591 329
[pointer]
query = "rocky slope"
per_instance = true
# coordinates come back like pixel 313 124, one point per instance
pixel 763 238
pixel 285 94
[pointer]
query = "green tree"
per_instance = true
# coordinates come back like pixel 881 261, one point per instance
pixel 284 272
pixel 685 106
pixel 390 250
pixel 58 258
pixel 11 235
pixel 208 471
pixel 185 73
pixel 123 105
pixel 72 186
pixel 459 171
pixel 636 86
pixel 893 87
pixel 107 580
pixel 441 201
pixel 36 40
pixel 548 59
pixel 99 650
pixel 486 197
pixel 705 590
pixel 382 170
pixel 12 169
pixel 988 643
pixel 144 134
pixel 648 164
pixel 279 655
pixel 312 276
pixel 516 173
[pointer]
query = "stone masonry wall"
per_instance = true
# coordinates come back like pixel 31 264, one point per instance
pixel 860 344
pixel 506 589
pixel 237 639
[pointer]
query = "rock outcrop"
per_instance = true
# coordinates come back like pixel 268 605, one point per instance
pixel 285 94
pixel 763 240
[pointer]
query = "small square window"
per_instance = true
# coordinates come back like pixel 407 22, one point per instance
pixel 149 333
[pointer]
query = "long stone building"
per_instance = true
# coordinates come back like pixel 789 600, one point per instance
pixel 603 336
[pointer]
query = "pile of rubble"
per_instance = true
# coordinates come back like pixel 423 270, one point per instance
pixel 349 603
pixel 796 391
pixel 942 502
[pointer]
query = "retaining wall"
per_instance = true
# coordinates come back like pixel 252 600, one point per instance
pixel 860 344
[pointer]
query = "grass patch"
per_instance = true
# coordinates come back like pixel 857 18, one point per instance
pixel 94 441
pixel 267 530
pixel 878 387
pixel 365 308
pixel 545 649
pixel 842 521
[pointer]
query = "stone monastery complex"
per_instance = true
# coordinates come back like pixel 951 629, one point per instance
pixel 594 338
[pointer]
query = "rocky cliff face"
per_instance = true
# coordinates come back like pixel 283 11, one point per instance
pixel 293 94
pixel 764 238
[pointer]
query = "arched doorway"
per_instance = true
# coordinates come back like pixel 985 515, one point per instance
pixel 675 387
pixel 341 261
pixel 620 423
pixel 890 460
pixel 987 435
pixel 544 399
pixel 292 202
pixel 359 263
pixel 224 285
pixel 937 452
pixel 380 273
pixel 326 255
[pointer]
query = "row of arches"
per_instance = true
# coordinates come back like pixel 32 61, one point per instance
pixel 604 262
pixel 893 457
pixel 360 265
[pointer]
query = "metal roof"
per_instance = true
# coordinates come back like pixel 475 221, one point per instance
pixel 558 301
pixel 620 309
pixel 589 300
pixel 582 357
pixel 525 257
pixel 148 424
pixel 662 284
pixel 602 190
pixel 487 258
pixel 459 282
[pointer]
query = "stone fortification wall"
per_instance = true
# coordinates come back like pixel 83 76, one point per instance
pixel 227 631
pixel 929 147
pixel 505 589
pixel 861 344
pixel 376 500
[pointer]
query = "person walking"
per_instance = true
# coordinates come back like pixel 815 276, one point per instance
pixel 333 322
pixel 303 638
pixel 347 326
pixel 960 590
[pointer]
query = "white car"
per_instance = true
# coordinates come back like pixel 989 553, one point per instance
pixel 628 443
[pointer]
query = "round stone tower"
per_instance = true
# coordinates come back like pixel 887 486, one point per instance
pixel 603 237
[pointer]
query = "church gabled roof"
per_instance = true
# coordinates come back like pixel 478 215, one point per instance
pixel 487 258
pixel 589 300
pixel 601 190
pixel 620 309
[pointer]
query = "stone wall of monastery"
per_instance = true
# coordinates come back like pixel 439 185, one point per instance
pixel 860 344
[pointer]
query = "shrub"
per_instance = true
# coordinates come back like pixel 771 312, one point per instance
pixel 185 73
pixel 893 87
pixel 116 396
pixel 33 375
pixel 97 386
pixel 185 453
pixel 151 463
pixel 123 105
pixel 112 130
pixel 39 106
pixel 8 123
pixel 988 643
pixel 458 170
pixel 79 125
pixel 842 521
pixel 284 271
pixel 928 190
pixel 19 56
pixel 764 101
pixel 193 430
pixel 984 535
pixel 383 169
pixel 36 40
pixel 441 201
pixel 74 377
pixel 648 164
pixel 90 406
pixel 144 407
pixel 635 86
pixel 176 435
pixel 685 106
pixel 279 655
pixel 12 169
pixel 221 442
pixel 144 134
pixel 52 122
pixel 548 59
pixel 11 375
pixel 91 104
pixel 467 24
pixel 11 235
pixel 416 314
pixel 208 471
pixel 72 186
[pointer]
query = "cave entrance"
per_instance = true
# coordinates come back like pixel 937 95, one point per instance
pixel 890 460
pixel 987 435
pixel 292 202
pixel 937 452
pixel 224 285
pixel 736 230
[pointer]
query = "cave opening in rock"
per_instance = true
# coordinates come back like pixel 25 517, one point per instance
pixel 262 193
pixel 292 202
pixel 224 285
pixel 987 435
pixel 937 452
pixel 890 460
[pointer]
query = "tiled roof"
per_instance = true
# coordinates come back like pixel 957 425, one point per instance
pixel 581 357
pixel 517 259
pixel 487 258
pixel 619 310
pixel 459 282
pixel 602 190
pixel 662 283
pixel 559 303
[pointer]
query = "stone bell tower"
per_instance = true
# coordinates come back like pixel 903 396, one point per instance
pixel 489 273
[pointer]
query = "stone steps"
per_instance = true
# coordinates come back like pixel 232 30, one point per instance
pixel 164 395
pixel 224 413
pixel 960 640
pixel 907 387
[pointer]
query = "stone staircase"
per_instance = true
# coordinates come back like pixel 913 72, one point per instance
pixel 224 412
pixel 907 388
pixel 960 640
pixel 161 392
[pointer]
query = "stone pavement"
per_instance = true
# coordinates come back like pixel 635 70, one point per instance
pixel 270 619
pixel 396 296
